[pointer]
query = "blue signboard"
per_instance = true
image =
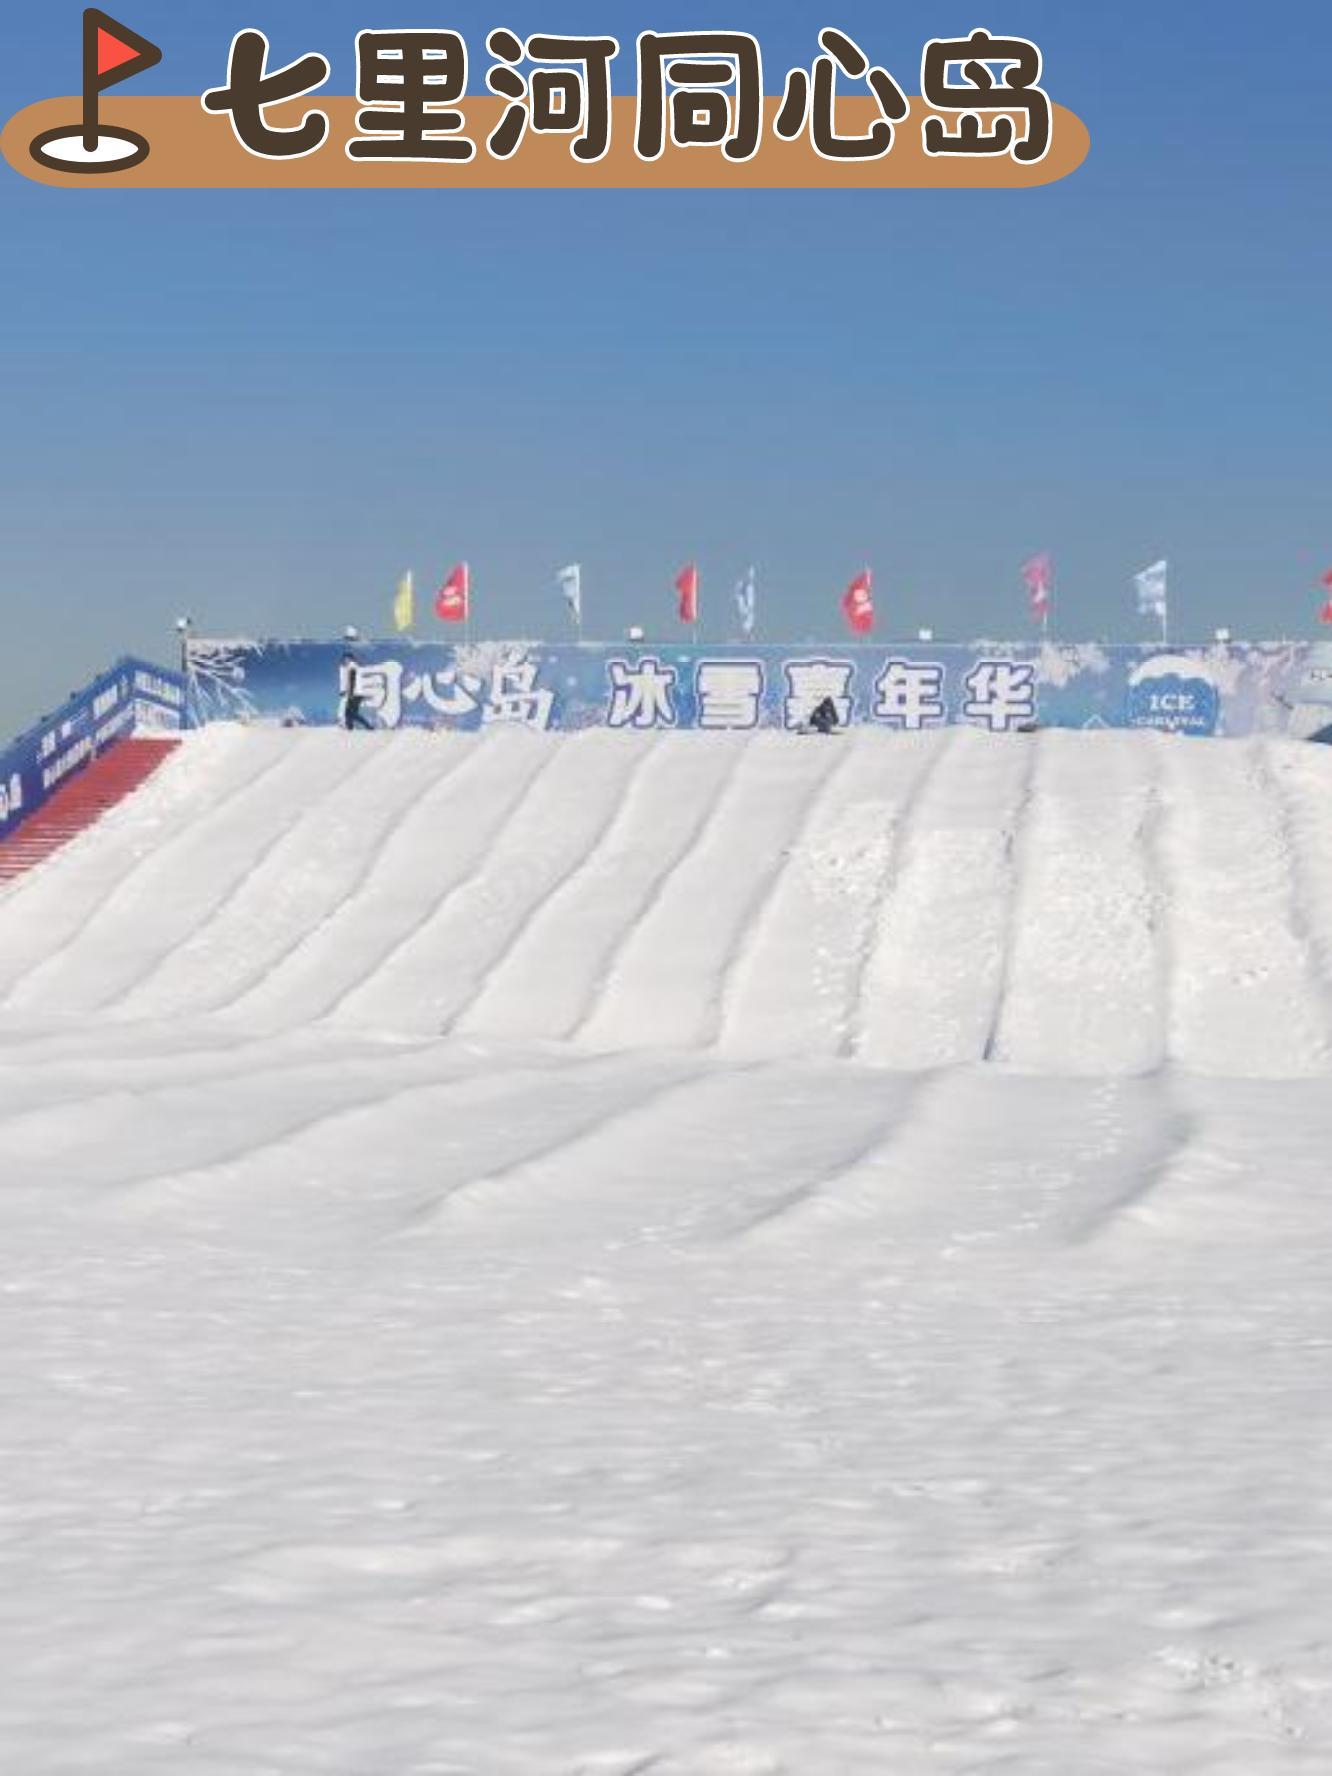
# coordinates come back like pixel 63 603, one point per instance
pixel 131 698
pixel 1230 688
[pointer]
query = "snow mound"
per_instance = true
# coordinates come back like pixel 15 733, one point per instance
pixel 1061 903
pixel 569 1257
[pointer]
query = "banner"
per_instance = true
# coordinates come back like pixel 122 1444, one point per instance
pixel 1038 577
pixel 858 604
pixel 570 582
pixel 1232 689
pixel 453 600
pixel 404 603
pixel 686 584
pixel 133 697
pixel 746 603
pixel 699 114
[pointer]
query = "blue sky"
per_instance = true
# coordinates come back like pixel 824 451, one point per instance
pixel 260 407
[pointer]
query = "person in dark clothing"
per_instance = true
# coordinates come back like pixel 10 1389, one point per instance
pixel 824 718
pixel 352 703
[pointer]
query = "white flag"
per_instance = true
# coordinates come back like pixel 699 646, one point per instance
pixel 1151 584
pixel 746 604
pixel 570 582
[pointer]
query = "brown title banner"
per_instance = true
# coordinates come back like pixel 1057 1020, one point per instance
pixel 181 145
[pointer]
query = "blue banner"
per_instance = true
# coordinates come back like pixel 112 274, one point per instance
pixel 1230 688
pixel 133 697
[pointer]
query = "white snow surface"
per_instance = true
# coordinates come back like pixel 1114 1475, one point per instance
pixel 683 1256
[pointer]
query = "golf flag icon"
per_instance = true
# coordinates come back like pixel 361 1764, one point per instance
pixel 112 52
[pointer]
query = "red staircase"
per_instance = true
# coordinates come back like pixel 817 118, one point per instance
pixel 80 801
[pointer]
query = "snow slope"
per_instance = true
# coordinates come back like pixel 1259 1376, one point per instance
pixel 700 1254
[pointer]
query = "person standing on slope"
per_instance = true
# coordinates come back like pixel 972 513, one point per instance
pixel 351 712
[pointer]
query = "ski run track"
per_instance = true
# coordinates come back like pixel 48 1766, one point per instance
pixel 684 1255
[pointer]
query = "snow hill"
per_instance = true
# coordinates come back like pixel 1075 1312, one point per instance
pixel 1066 904
pixel 697 1254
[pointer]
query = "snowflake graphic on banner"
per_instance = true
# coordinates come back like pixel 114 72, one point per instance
pixel 216 673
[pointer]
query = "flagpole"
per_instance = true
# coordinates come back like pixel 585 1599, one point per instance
pixel 570 581
pixel 92 91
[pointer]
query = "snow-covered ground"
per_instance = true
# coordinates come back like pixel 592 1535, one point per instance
pixel 699 1256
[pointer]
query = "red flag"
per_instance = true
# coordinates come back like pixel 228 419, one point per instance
pixel 452 604
pixel 686 585
pixel 858 604
pixel 112 52
pixel 1326 613
pixel 1038 574
pixel 1327 579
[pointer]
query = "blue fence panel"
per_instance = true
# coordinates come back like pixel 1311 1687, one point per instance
pixel 131 697
pixel 1231 688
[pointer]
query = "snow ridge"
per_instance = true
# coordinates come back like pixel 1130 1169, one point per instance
pixel 1063 903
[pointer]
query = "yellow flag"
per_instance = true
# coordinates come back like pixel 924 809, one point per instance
pixel 404 604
